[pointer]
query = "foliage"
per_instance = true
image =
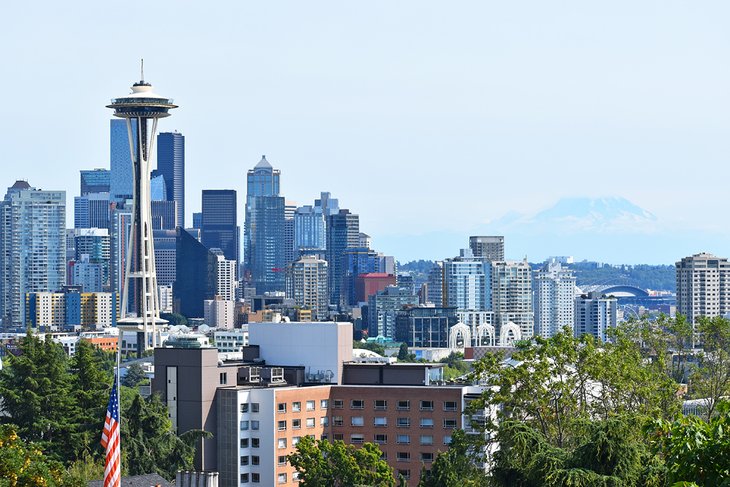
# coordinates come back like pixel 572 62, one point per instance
pixel 24 464
pixel 372 346
pixel 174 319
pixel 693 449
pixel 457 466
pixel 320 462
pixel 660 277
pixel 403 352
pixel 134 376
pixel 711 379
pixel 455 366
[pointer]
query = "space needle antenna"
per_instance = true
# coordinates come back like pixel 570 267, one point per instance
pixel 141 69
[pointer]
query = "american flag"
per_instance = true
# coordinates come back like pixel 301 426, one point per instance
pixel 110 441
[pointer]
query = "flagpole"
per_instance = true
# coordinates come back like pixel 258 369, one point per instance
pixel 119 389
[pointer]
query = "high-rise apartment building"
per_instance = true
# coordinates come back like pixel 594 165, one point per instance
pixel 487 247
pixel 435 285
pixel 120 160
pixel 383 308
pixel 512 295
pixel 165 256
pixel 594 314
pixel 95 244
pixel 343 232
pixel 95 181
pixel 309 229
pixel 171 164
pixel 466 282
pixel 219 229
pixel 703 286
pixel 265 239
pixel 554 299
pixel 307 285
pixel 32 247
pixel 225 276
pixel 289 253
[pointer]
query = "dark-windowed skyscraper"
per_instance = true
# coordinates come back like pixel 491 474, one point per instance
pixel 171 164
pixel 343 232
pixel 94 181
pixel 264 231
pixel 219 228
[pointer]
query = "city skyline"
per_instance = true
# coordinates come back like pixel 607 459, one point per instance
pixel 538 103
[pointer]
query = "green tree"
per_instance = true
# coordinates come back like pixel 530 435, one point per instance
pixel 403 352
pixel 459 465
pixel 711 379
pixel 372 346
pixel 24 464
pixel 694 450
pixel 36 391
pixel 174 319
pixel 320 463
pixel 134 376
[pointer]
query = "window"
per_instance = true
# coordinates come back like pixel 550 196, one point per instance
pixel 324 404
pixel 357 421
pixel 426 405
pixel 244 407
pixel 254 425
pixel 338 436
pixel 281 478
pixel 244 425
pixel 337 420
pixel 324 421
pixel 281 425
pixel 296 424
pixel 244 460
pixel 427 457
pixel 426 422
pixel 254 407
pixel 244 478
pixel 447 440
pixel 310 423
pixel 324 437
pixel 244 442
pixel 426 440
pixel 255 442
pixel 403 439
pixel 357 404
pixel 310 405
pixel 381 439
pixel 295 476
pixel 339 404
pixel 380 422
pixel 295 440
pixel 357 438
pixel 449 405
pixel 403 456
pixel 282 443
pixel 296 406
pixel 255 460
pixel 449 423
pixel 281 407
pixel 282 460
pixel 255 478
pixel 406 474
pixel 403 422
pixel 403 405
pixel 381 404
pixel 223 377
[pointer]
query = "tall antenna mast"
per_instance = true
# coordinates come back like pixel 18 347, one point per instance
pixel 141 69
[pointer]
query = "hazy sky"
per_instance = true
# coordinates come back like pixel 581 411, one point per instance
pixel 420 116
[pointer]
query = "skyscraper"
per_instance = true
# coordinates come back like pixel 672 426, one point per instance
pixel 195 275
pixel 703 286
pixel 264 231
pixel 343 232
pixel 32 247
pixel 512 295
pixel 309 229
pixel 219 228
pixel 95 181
pixel 146 108
pixel 554 299
pixel 171 164
pixel 120 161
pixel 466 282
pixel 383 308
pixel 307 285
pixel 289 254
pixel 91 210
pixel 594 314
pixel 95 244
pixel 487 247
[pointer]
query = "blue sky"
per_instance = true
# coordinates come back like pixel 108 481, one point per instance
pixel 426 118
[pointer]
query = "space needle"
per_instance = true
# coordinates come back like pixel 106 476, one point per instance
pixel 145 107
